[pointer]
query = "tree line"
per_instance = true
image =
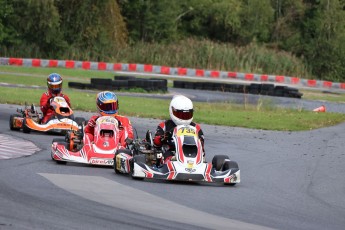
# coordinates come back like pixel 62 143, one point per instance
pixel 311 33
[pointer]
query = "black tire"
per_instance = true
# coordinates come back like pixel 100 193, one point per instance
pixel 60 141
pixel 25 128
pixel 218 161
pixel 179 84
pixel 230 165
pixel 139 159
pixel 12 122
pixel 124 77
pixel 80 120
pixel 119 84
pixel 76 85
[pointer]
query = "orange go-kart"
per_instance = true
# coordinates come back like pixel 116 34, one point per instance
pixel 29 118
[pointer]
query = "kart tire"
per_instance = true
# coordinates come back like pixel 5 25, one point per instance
pixel 80 120
pixel 218 161
pixel 12 122
pixel 25 128
pixel 139 159
pixel 59 141
pixel 230 165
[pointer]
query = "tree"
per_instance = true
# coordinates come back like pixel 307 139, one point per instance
pixel 6 32
pixel 37 23
pixel 150 20
pixel 256 21
pixel 289 15
pixel 323 34
pixel 92 28
pixel 215 19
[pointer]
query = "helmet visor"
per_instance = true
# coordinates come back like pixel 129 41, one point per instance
pixel 183 114
pixel 58 86
pixel 108 107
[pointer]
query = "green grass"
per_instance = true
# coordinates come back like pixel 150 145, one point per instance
pixel 264 115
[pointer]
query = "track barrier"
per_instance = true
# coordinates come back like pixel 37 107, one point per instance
pixel 180 72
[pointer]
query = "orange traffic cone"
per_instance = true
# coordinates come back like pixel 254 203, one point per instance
pixel 320 109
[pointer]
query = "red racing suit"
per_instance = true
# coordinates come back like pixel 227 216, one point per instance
pixel 162 137
pixel 126 129
pixel 46 109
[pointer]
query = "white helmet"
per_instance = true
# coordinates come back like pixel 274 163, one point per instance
pixel 181 110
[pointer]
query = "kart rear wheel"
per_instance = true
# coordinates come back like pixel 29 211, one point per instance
pixel 12 117
pixel 63 142
pixel 139 159
pixel 26 129
pixel 80 120
pixel 218 161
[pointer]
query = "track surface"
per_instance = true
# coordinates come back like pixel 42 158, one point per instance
pixel 290 180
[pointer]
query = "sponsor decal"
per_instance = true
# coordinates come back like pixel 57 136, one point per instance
pixel 190 170
pixel 59 99
pixel 106 119
pixel 64 125
pixel 102 161
pixel 190 164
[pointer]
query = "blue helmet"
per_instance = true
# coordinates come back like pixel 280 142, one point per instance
pixel 54 82
pixel 107 103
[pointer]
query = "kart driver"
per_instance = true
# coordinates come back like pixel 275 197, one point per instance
pixel 108 105
pixel 181 113
pixel 54 83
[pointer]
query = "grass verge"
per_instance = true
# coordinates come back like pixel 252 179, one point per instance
pixel 249 116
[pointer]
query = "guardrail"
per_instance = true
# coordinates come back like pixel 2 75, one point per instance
pixel 198 74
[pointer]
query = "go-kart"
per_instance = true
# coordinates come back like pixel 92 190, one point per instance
pixel 29 118
pixel 187 164
pixel 77 147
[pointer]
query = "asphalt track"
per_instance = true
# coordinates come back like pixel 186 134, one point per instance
pixel 289 180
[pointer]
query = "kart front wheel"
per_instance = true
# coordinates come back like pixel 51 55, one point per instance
pixel 26 129
pixel 230 165
pixel 218 161
pixel 59 141
pixel 137 159
pixel 12 121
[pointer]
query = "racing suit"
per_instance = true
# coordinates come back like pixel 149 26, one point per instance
pixel 46 109
pixel 125 126
pixel 163 137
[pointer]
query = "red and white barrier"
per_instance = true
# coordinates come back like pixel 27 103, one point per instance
pixel 176 71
